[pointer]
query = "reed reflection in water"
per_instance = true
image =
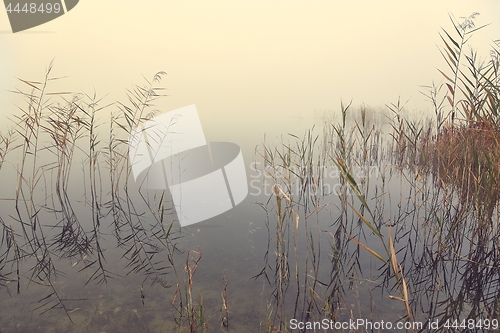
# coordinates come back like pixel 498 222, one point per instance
pixel 374 217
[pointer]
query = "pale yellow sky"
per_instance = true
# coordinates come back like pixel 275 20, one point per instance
pixel 260 61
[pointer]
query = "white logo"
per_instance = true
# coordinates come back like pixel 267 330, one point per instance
pixel 205 180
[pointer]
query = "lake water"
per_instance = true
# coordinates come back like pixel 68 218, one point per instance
pixel 83 249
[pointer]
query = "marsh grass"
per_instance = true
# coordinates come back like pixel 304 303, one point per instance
pixel 416 240
pixel 51 135
pixel 442 220
pixel 74 202
pixel 464 152
pixel 300 172
pixel 468 158
pixel 224 317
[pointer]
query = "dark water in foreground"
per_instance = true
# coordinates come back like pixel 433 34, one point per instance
pixel 378 243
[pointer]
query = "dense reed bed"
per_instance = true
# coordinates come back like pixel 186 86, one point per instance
pixel 423 206
pixel 374 216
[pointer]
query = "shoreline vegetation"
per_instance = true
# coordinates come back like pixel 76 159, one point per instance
pixel 416 242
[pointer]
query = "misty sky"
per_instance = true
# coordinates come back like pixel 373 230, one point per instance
pixel 260 61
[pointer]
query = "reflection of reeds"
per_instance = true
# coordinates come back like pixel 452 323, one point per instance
pixel 442 220
pixel 224 319
pixel 423 233
pixel 49 138
pixel 461 155
pixel 195 313
pixel 298 172
pixel 192 260
pixel 289 167
pixel 30 126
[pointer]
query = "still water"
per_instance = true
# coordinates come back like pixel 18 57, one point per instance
pixel 340 223
pixel 334 228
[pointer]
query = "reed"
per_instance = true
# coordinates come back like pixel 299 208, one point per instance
pixel 224 317
pixel 421 233
pixel 420 152
pixel 464 151
pixel 194 312
pixel 48 138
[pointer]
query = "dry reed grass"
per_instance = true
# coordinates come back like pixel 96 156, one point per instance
pixel 465 150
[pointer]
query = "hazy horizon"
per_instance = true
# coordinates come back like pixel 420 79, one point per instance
pixel 259 61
